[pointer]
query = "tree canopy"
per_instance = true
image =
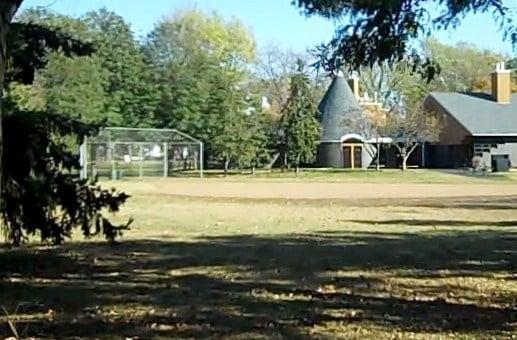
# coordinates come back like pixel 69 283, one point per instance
pixel 385 31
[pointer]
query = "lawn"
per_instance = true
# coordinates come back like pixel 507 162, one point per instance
pixel 250 267
pixel 369 176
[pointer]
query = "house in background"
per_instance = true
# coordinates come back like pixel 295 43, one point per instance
pixel 475 124
pixel 346 141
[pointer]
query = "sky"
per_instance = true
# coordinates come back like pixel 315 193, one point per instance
pixel 271 21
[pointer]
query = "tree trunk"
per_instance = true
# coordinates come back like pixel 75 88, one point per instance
pixel 3 57
pixel 405 155
pixel 253 170
pixel 404 162
pixel 297 170
pixel 226 166
pixel 273 161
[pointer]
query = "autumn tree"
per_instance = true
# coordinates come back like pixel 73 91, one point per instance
pixel 457 75
pixel 410 126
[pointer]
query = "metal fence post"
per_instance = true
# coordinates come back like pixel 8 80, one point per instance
pixel 165 160
pixel 141 165
pixel 201 160
pixel 112 157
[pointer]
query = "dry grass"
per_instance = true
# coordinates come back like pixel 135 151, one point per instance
pixel 368 176
pixel 230 267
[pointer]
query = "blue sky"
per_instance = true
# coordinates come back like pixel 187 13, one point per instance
pixel 271 21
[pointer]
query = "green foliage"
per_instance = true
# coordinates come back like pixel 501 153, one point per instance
pixel 191 32
pixel 74 87
pixel 393 83
pixel 42 194
pixel 456 74
pixel 512 65
pixel 200 65
pixel 123 93
pixel 41 191
pixel 258 142
pixel 301 129
pixel 383 31
pixel 28 45
pixel 130 85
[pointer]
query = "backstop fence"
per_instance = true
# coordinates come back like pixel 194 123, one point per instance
pixel 118 152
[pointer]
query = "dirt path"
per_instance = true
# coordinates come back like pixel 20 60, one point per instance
pixel 262 190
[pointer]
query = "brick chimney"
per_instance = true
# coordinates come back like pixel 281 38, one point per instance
pixel 501 84
pixel 353 82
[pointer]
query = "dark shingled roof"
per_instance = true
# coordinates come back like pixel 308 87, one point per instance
pixel 339 111
pixel 478 113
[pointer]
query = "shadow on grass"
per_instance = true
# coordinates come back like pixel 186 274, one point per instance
pixel 246 286
pixel 469 173
pixel 432 222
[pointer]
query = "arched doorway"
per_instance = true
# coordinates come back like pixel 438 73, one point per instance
pixel 353 147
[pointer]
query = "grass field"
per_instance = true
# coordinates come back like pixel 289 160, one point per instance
pixel 370 176
pixel 237 263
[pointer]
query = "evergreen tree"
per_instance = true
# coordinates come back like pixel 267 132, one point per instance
pixel 42 194
pixel 301 129
pixel 258 144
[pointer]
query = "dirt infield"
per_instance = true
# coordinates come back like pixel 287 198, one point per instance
pixel 307 190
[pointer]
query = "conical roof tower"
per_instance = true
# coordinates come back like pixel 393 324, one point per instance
pixel 340 113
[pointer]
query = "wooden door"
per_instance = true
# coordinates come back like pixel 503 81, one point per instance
pixel 358 157
pixel 347 156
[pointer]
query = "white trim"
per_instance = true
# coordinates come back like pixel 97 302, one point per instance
pixel 351 136
pixel 382 140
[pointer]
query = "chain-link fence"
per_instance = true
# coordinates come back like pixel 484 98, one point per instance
pixel 128 152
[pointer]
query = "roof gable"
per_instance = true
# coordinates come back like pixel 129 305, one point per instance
pixel 478 113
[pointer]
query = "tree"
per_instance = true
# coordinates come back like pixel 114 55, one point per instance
pixel 512 64
pixel 75 87
pixel 8 9
pixel 390 82
pixel 410 126
pixel 273 70
pixel 383 31
pixel 124 76
pixel 130 84
pixel 201 65
pixel 192 32
pixel 43 195
pixel 301 129
pixel 455 73
pixel 256 146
